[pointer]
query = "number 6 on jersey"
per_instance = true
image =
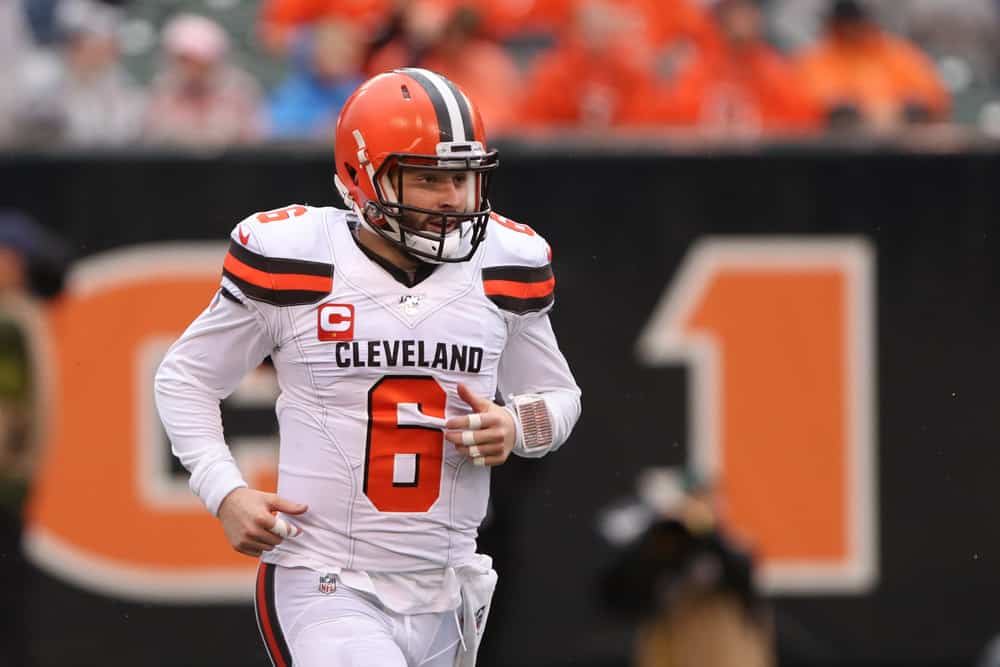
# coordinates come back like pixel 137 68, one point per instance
pixel 405 447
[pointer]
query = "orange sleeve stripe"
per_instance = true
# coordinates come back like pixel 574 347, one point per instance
pixel 277 281
pixel 519 290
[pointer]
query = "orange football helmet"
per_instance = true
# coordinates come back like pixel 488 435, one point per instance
pixel 413 118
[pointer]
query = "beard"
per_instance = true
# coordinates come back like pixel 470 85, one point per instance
pixel 426 222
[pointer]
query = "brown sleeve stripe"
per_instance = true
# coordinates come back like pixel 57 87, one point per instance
pixel 520 289
pixel 282 282
pixel 278 265
pixel 519 274
pixel 522 306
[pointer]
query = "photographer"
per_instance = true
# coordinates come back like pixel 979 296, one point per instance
pixel 684 581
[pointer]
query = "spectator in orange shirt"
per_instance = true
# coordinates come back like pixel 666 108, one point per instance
pixel 279 19
pixel 595 78
pixel 482 68
pixel 661 22
pixel 447 41
pixel 864 76
pixel 743 87
pixel 504 19
pixel 675 31
pixel 678 22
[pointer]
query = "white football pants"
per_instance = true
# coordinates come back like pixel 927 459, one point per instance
pixel 304 627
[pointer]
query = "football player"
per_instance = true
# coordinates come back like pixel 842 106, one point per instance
pixel 391 326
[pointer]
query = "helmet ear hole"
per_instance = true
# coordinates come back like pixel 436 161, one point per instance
pixel 352 172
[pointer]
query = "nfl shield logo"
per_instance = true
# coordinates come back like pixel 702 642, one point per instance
pixel 410 303
pixel 327 584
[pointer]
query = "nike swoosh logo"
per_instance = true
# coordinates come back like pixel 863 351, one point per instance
pixel 243 237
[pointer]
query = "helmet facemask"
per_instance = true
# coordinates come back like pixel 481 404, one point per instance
pixel 458 233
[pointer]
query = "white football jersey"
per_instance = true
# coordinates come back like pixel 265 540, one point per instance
pixel 368 362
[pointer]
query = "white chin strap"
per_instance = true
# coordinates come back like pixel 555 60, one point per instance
pixel 457 243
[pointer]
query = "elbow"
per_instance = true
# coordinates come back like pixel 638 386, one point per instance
pixel 162 380
pixel 162 389
pixel 570 414
pixel 168 383
pixel 576 404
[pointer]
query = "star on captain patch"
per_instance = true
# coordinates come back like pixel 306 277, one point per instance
pixel 410 303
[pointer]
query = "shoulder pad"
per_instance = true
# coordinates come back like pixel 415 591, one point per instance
pixel 517 269
pixel 280 257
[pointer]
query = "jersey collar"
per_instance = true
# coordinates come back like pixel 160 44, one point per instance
pixel 423 271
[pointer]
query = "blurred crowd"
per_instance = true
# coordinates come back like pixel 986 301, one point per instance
pixel 703 68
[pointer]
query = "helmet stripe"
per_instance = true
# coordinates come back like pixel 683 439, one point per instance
pixel 463 109
pixel 449 106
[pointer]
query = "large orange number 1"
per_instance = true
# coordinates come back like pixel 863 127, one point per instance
pixel 405 447
pixel 778 336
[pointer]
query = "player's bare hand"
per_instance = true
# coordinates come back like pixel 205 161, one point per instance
pixel 249 521
pixel 487 435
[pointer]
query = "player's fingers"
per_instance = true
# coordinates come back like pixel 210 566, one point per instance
pixel 264 528
pixel 279 504
pixel 478 403
pixel 492 460
pixel 479 451
pixel 489 436
pixel 488 419
pixel 464 437
pixel 472 422
pixel 252 548
pixel 264 535
pixel 469 438
pixel 283 528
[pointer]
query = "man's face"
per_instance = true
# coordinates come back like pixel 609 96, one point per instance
pixel 437 190
pixel 337 51
pixel 196 73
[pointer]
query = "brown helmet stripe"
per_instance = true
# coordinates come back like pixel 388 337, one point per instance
pixel 449 123
pixel 463 109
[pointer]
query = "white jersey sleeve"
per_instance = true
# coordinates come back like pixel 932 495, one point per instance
pixel 534 377
pixel 201 368
pixel 240 328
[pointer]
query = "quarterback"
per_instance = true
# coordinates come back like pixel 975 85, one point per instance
pixel 393 326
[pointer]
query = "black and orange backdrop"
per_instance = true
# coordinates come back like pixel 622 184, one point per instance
pixel 814 327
